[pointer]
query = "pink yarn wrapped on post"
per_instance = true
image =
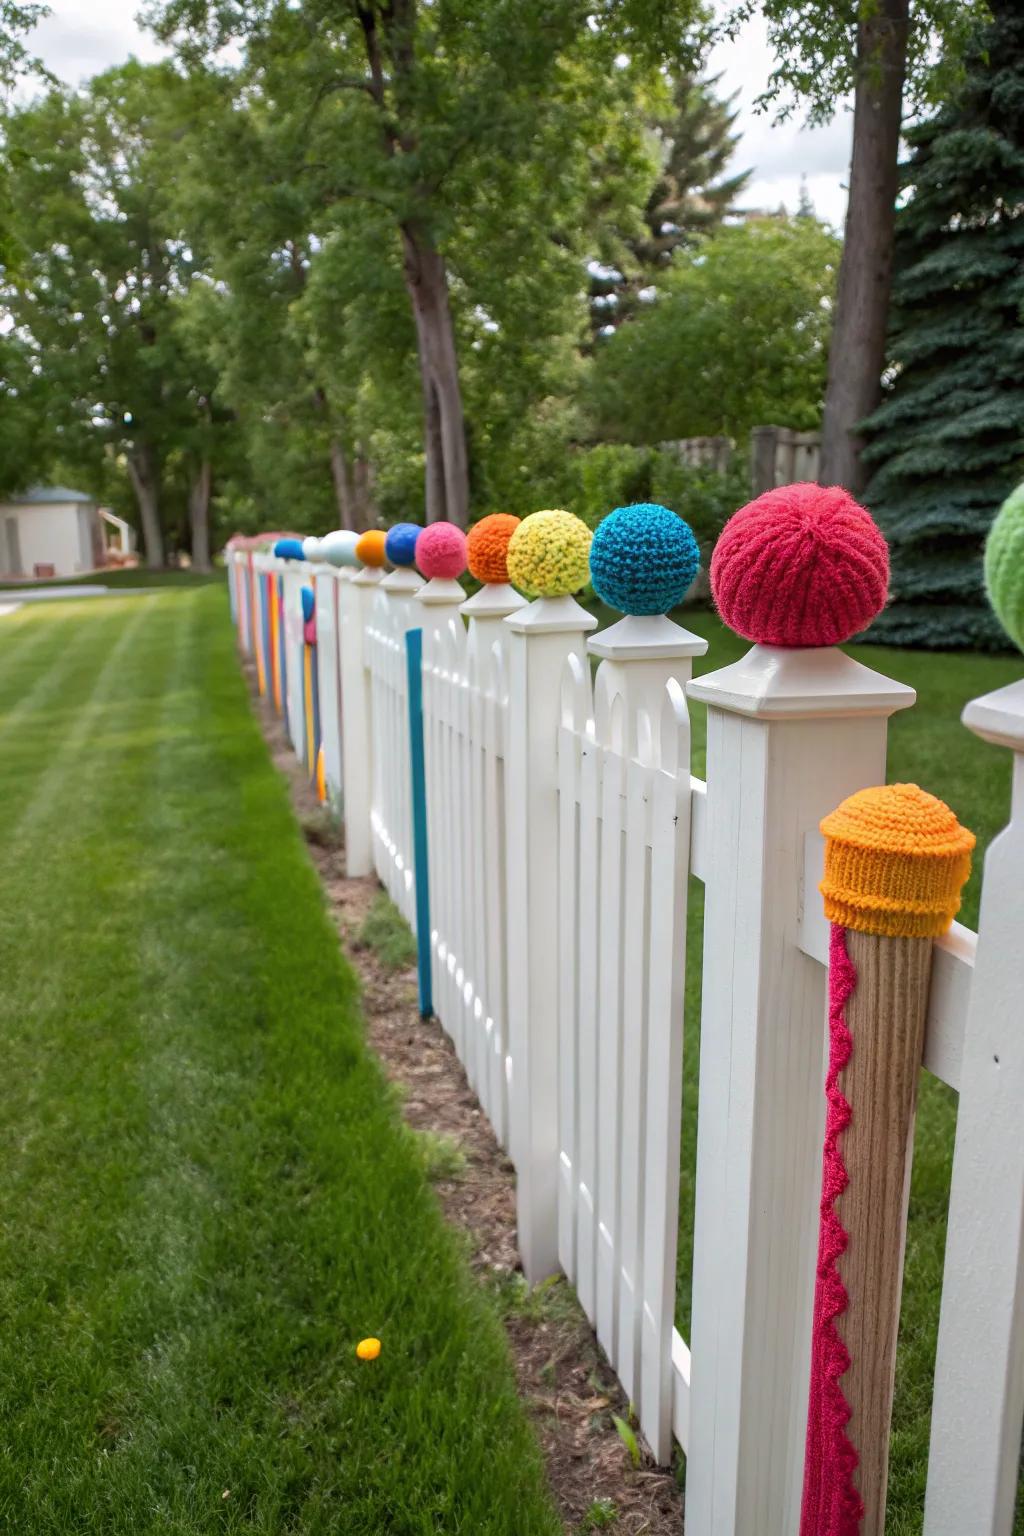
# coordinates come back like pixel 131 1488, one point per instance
pixel 803 565
pixel 441 550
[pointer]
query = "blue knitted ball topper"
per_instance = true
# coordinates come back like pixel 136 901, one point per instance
pixel 289 549
pixel 643 559
pixel 400 544
pixel 308 603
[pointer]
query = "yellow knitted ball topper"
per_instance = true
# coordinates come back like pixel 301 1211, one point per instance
pixel 896 859
pixel 549 554
pixel 368 1349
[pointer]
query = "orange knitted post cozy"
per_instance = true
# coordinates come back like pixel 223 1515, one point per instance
pixel 895 861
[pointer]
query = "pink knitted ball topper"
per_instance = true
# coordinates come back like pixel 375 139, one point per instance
pixel 441 550
pixel 802 565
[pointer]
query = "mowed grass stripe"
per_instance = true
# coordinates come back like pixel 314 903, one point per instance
pixel 57 627
pixel 104 695
pixel 240 1202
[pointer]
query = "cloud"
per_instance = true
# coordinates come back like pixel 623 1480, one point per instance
pixel 82 37
pixel 780 154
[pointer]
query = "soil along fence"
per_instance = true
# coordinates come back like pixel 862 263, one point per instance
pixel 558 820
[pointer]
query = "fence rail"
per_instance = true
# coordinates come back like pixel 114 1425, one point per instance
pixel 563 824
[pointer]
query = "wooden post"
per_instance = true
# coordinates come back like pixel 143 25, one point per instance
pixel 790 732
pixel 895 861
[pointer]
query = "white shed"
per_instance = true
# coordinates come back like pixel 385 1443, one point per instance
pixel 50 531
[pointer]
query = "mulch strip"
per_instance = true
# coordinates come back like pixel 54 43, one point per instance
pixel 564 1379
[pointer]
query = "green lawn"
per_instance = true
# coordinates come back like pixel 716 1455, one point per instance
pixel 207 1197
pixel 929 746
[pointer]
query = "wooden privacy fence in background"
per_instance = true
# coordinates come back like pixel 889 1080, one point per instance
pixel 562 824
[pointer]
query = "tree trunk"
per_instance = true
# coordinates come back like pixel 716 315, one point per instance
pixel 365 505
pixel 344 489
pixel 144 474
pixel 447 475
pixel 433 446
pixel 857 351
pixel 199 515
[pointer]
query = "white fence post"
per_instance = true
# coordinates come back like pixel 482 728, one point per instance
pixel 979 1372
pixel 231 561
pixel 355 598
pixel 791 733
pixel 542 637
pixel 486 724
pixel 394 612
pixel 295 575
pixel 328 582
pixel 440 599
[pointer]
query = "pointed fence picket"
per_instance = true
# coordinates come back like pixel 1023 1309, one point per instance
pixel 465 705
pixel 562 824
pixel 624 788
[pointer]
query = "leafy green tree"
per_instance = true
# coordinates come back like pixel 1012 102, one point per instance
pixel 737 335
pixel 16 21
pixel 440 115
pixel 895 56
pixel 102 271
pixel 947 443
pixel 26 437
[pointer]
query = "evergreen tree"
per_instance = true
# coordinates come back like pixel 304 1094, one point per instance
pixel 692 195
pixel 692 143
pixel 947 442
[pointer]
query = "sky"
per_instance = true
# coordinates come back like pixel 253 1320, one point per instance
pixel 81 37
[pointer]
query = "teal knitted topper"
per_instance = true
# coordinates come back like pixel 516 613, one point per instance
pixel 643 559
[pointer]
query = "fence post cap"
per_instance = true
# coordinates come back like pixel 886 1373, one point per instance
pixel 998 717
pixel 774 682
pixel 551 616
pixel 495 601
pixel 368 576
pixel 402 579
pixel 647 637
pixel 440 590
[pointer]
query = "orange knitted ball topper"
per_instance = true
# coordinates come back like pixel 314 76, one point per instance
pixel 487 547
pixel 370 549
pixel 896 859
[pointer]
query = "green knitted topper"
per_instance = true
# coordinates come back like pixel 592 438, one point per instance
pixel 1004 566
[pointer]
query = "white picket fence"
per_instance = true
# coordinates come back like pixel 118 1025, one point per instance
pixel 563 824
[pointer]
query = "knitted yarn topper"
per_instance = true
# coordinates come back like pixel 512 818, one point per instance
pixel 1004 566
pixel 371 548
pixel 441 551
pixel 803 565
pixel 339 548
pixel 289 549
pixel 549 554
pixel 643 559
pixel 400 543
pixel 311 548
pixel 895 861
pixel 487 547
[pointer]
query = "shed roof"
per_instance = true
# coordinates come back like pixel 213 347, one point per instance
pixel 50 495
